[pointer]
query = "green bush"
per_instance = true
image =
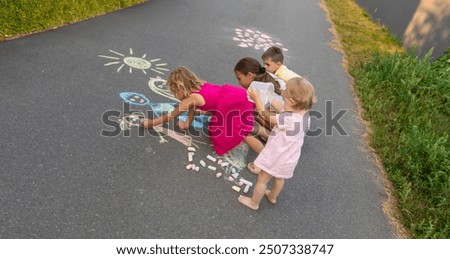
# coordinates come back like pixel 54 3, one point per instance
pixel 407 100
pixel 18 17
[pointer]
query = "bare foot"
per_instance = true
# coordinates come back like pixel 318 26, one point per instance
pixel 270 199
pixel 247 201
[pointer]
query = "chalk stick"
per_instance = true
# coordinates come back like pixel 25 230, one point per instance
pixel 191 156
pixel 202 163
pixel 211 158
pixel 236 188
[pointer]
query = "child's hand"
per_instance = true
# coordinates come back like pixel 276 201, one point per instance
pixel 253 94
pixel 183 125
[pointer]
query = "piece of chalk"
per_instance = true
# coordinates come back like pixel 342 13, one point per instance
pixel 242 181
pixel 235 175
pixel 211 158
pixel 219 174
pixel 212 167
pixel 197 168
pixel 236 188
pixel 191 156
pixel 224 164
pixel 191 149
pixel 246 188
pixel 233 170
pixel 220 161
pixel 230 178
pixel 189 167
pixel 202 163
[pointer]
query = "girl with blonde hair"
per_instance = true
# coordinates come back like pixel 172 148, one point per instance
pixel 280 156
pixel 232 113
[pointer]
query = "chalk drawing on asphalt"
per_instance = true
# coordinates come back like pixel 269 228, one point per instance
pixel 131 61
pixel 158 86
pixel 235 157
pixel 248 38
pixel 158 109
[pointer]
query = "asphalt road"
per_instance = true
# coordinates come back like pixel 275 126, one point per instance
pixel 61 178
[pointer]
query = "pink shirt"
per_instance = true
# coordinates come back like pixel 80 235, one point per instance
pixel 282 151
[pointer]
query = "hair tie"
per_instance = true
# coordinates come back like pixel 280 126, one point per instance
pixel 261 70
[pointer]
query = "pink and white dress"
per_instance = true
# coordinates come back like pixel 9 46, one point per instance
pixel 282 151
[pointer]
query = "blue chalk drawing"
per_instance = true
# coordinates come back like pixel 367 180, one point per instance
pixel 162 108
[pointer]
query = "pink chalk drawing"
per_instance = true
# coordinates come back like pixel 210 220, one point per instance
pixel 248 38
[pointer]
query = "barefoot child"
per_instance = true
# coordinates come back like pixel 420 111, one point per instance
pixel 232 113
pixel 280 156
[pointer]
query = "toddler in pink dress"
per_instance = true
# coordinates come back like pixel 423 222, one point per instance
pixel 280 156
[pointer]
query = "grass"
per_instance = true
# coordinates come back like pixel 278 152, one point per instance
pixel 21 17
pixel 406 102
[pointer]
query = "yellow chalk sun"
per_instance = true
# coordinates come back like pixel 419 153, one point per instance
pixel 135 62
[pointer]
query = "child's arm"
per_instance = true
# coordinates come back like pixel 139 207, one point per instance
pixel 254 95
pixel 185 124
pixel 186 104
pixel 277 105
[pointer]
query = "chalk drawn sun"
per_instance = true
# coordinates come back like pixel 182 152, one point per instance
pixel 139 63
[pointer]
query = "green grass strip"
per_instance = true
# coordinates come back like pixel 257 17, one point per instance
pixel 407 103
pixel 21 17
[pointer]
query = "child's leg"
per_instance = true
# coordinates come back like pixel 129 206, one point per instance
pixel 258 192
pixel 263 122
pixel 254 144
pixel 260 131
pixel 277 186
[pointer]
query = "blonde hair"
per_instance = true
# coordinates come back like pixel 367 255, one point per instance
pixel 301 91
pixel 184 80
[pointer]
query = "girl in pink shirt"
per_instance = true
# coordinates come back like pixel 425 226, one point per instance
pixel 280 156
pixel 232 113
